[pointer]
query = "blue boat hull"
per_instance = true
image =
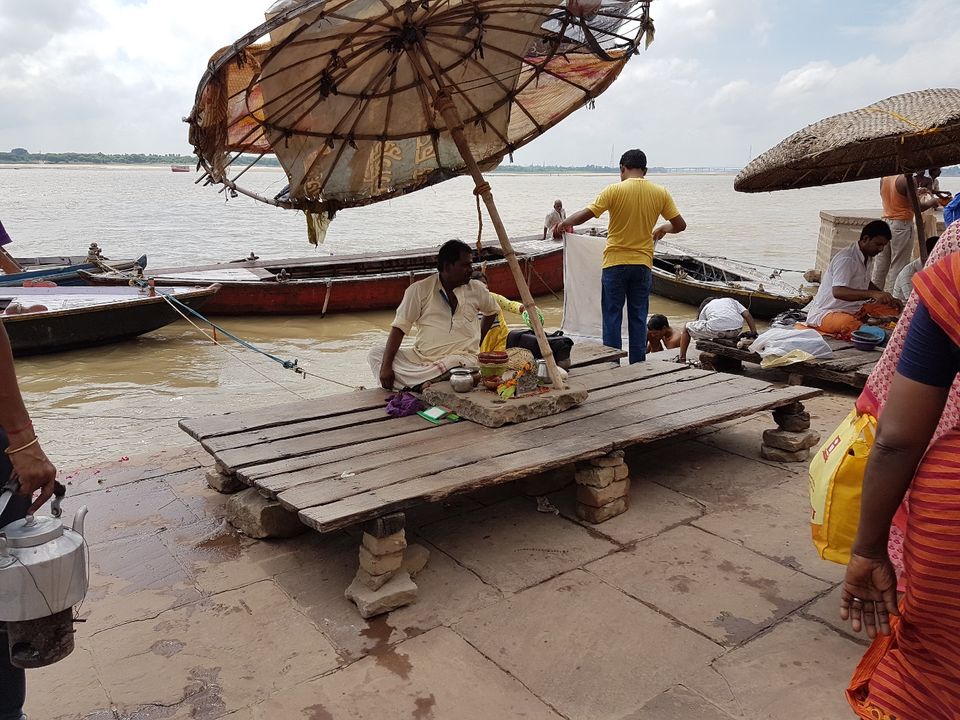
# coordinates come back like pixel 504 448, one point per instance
pixel 65 275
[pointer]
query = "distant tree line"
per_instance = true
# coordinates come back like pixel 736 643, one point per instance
pixel 22 156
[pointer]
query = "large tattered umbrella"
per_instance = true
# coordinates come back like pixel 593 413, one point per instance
pixel 900 135
pixel 363 100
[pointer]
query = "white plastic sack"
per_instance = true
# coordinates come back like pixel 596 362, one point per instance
pixel 780 341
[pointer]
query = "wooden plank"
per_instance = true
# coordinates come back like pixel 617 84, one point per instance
pixel 240 457
pixel 503 468
pixel 667 403
pixel 276 477
pixel 595 381
pixel 213 425
pixel 588 353
pixel 845 371
pixel 864 372
pixel 339 480
pixel 294 429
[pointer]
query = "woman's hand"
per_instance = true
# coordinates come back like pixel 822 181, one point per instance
pixel 869 594
pixel 35 472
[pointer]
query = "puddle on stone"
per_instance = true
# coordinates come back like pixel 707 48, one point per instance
pixel 225 545
pixel 385 654
pixel 424 707
pixel 317 712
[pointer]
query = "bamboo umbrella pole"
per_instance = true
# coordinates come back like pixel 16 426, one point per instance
pixel 917 214
pixel 451 118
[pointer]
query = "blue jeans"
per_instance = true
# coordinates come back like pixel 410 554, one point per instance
pixel 630 284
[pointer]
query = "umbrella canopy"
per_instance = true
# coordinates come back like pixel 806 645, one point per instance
pixel 344 92
pixel 902 134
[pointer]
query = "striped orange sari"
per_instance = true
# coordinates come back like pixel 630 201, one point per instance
pixel 914 673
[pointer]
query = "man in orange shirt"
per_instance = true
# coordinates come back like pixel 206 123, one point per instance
pixel 635 204
pixel 898 212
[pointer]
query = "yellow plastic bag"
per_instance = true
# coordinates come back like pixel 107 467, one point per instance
pixel 836 480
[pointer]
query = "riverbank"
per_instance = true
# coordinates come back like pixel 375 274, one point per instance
pixel 704 600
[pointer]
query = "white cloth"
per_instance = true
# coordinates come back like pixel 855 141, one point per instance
pixel 720 315
pixel 441 333
pixel 582 270
pixel 904 284
pixel 849 268
pixel 409 370
pixel 896 255
pixel 700 330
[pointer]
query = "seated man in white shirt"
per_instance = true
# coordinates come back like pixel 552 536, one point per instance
pixel 846 297
pixel 904 284
pixel 446 310
pixel 718 318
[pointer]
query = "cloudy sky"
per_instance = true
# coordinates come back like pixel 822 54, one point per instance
pixel 724 78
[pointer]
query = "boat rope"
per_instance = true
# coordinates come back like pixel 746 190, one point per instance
pixel 180 306
pixel 540 278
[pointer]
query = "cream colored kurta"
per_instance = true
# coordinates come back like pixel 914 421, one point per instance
pixel 441 332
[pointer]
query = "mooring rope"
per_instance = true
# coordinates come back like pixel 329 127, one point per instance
pixel 294 365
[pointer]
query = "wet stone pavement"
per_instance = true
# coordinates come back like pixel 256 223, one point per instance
pixel 705 600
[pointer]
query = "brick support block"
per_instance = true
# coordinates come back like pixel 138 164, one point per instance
pixel 598 497
pixel 778 455
pixel 380 564
pixel 791 441
pixel 596 515
pixel 598 477
pixel 386 545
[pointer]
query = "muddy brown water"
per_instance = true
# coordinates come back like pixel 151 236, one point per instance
pixel 102 404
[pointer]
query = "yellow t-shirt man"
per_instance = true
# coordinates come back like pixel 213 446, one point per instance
pixel 635 205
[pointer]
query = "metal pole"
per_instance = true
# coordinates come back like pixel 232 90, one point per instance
pixel 451 117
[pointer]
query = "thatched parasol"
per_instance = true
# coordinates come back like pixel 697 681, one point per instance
pixel 900 135
pixel 363 100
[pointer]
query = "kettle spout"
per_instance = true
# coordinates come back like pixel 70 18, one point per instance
pixel 78 520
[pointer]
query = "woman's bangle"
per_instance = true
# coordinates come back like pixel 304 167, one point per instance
pixel 35 440
pixel 14 431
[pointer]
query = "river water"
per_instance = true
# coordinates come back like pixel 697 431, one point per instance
pixel 100 404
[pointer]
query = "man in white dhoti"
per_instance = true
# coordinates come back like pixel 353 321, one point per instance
pixel 446 309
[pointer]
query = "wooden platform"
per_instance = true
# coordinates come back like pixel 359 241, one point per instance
pixel 848 365
pixel 341 460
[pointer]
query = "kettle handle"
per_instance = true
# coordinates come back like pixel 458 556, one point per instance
pixel 78 520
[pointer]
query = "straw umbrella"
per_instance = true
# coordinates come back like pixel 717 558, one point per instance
pixel 363 100
pixel 900 135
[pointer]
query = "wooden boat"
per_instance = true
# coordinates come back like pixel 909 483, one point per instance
pixel 180 168
pixel 687 276
pixel 64 270
pixel 347 283
pixel 79 317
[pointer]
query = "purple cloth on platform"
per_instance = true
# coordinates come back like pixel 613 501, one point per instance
pixel 4 238
pixel 403 404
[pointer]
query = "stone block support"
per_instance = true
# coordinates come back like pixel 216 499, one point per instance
pixel 383 581
pixel 603 487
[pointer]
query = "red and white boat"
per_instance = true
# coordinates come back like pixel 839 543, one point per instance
pixel 346 283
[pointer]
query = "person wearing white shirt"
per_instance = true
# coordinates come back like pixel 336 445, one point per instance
pixel 847 297
pixel 904 284
pixel 719 318
pixel 445 309
pixel 554 218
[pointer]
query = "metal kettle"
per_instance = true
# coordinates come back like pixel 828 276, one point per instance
pixel 43 574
